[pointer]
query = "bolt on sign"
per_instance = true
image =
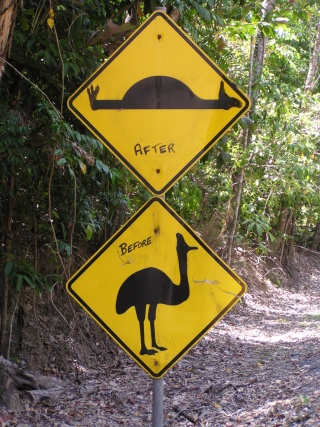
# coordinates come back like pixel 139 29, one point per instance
pixel 156 288
pixel 159 103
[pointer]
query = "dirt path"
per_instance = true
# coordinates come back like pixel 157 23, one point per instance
pixel 260 366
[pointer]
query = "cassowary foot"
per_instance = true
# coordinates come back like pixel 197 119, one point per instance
pixel 160 348
pixel 148 352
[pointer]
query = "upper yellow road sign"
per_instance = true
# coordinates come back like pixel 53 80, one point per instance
pixel 159 103
pixel 156 288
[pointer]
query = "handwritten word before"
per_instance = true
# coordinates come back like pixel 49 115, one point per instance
pixel 124 247
pixel 155 149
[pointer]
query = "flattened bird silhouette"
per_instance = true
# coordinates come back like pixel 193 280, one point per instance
pixel 162 92
pixel 151 286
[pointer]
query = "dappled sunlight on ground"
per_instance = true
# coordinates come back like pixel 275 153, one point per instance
pixel 276 316
pixel 291 318
pixel 257 335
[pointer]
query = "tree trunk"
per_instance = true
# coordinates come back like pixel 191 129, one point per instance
pixel 287 246
pixel 5 286
pixel 312 79
pixel 316 238
pixel 257 56
pixel 8 13
pixel 237 201
pixel 283 246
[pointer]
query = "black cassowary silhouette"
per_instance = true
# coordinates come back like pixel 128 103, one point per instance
pixel 151 286
pixel 162 92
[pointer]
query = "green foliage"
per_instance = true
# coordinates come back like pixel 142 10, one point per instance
pixel 14 130
pixel 185 198
pixel 258 229
pixel 70 194
pixel 67 188
pixel 21 273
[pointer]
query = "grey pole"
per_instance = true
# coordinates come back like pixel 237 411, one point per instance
pixel 157 403
pixel 157 390
pixel 157 395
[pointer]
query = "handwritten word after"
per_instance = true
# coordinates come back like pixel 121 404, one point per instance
pixel 155 149
pixel 124 247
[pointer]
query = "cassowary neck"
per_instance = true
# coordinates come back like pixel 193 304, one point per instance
pixel 183 288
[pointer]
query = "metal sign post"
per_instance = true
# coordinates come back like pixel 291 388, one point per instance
pixel 157 390
pixel 157 403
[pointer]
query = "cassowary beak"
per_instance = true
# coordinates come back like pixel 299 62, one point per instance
pixel 191 248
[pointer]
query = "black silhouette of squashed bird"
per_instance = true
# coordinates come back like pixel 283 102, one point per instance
pixel 162 92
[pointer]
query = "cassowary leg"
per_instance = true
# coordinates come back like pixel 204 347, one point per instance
pixel 141 314
pixel 152 318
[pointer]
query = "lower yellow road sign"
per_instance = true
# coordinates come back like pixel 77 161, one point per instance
pixel 156 288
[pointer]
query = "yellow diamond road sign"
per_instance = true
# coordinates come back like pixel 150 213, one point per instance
pixel 159 103
pixel 156 288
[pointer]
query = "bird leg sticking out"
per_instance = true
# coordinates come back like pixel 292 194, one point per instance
pixel 152 318
pixel 92 93
pixel 141 314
